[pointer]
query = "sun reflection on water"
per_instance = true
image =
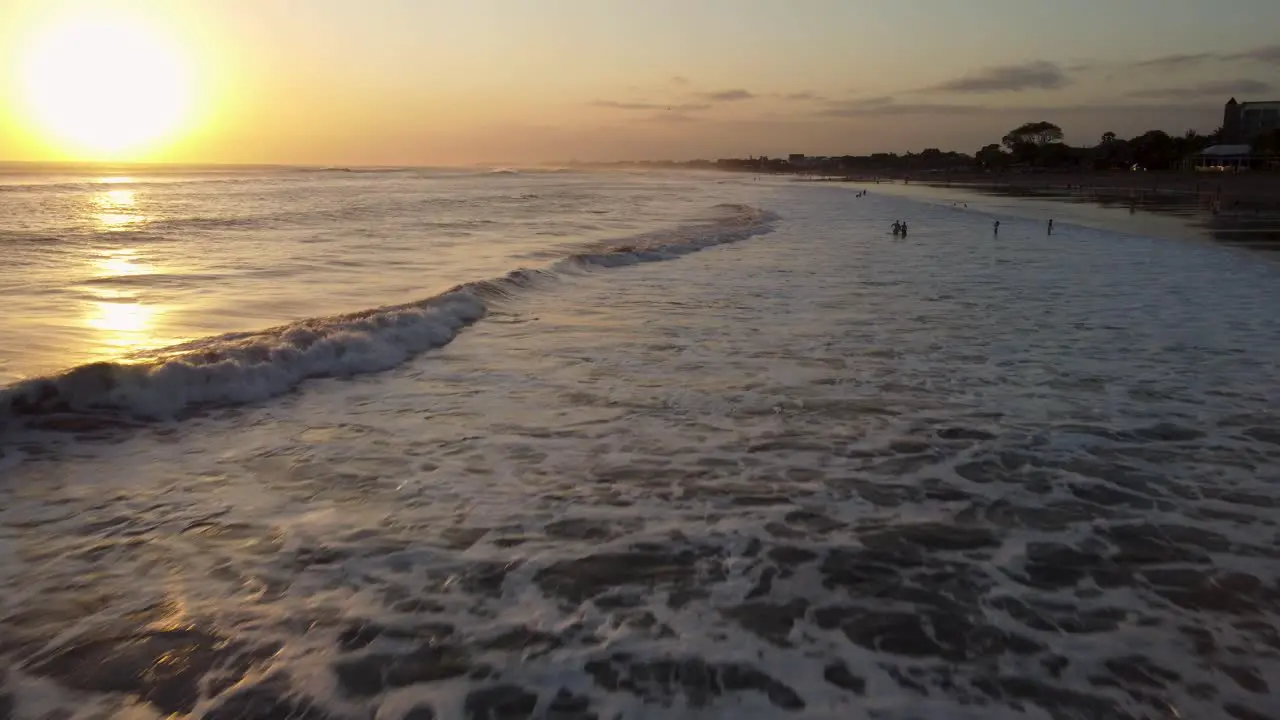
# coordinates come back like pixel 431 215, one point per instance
pixel 115 263
pixel 112 199
pixel 123 326
pixel 123 322
pixel 116 209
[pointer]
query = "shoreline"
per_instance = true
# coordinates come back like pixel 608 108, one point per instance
pixel 1246 189
pixel 1239 210
pixel 1223 192
pixel 1252 221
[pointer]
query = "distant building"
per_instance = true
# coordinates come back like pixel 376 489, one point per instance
pixel 1242 122
pixel 1220 158
pixel 800 160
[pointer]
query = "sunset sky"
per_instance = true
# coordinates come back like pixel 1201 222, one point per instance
pixel 460 81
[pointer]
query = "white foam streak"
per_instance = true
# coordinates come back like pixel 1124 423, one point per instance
pixel 225 371
pixel 251 367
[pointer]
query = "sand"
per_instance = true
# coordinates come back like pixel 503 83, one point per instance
pixel 1240 208
pixel 1246 189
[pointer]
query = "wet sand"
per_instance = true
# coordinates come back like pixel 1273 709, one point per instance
pixel 1246 187
pixel 1238 209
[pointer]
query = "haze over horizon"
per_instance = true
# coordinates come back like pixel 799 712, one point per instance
pixel 397 82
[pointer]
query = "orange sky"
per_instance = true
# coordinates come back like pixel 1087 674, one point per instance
pixel 461 81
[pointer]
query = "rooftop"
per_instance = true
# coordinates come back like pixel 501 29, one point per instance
pixel 1226 150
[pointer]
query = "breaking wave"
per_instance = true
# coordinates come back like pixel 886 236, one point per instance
pixel 250 367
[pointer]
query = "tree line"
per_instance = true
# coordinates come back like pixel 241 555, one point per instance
pixel 1040 144
pixel 1030 145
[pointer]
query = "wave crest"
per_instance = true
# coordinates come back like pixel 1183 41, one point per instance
pixel 250 367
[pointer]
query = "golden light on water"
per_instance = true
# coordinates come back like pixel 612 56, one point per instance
pixel 116 209
pixel 123 323
pixel 118 266
pixel 115 221
pixel 104 86
pixel 115 199
pixel 117 263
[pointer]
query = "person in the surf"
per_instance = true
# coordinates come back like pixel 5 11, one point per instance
pixel 904 229
pixel 1050 226
pixel 996 228
pixel 897 227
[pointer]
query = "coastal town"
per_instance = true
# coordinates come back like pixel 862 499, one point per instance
pixel 1247 139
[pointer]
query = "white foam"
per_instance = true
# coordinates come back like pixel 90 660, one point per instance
pixel 250 367
pixel 237 370
pixel 813 374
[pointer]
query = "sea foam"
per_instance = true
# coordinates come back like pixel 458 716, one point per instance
pixel 251 367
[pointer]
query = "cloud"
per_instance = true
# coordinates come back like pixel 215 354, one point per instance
pixel 674 118
pixel 885 105
pixel 1113 107
pixel 616 105
pixel 624 105
pixel 1175 61
pixel 727 95
pixel 1082 66
pixel 1266 54
pixel 802 96
pixel 1269 54
pixel 1209 89
pixel 866 102
pixel 1039 75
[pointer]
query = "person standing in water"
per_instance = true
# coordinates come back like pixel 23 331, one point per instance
pixel 904 229
pixel 996 228
pixel 897 227
pixel 1050 226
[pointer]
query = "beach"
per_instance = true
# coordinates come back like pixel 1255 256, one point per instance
pixel 633 445
pixel 1237 208
pixel 1248 187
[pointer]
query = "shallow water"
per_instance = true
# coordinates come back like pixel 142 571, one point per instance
pixel 1167 215
pixel 100 266
pixel 811 472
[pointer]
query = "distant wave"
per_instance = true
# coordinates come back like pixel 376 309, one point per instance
pixel 145 179
pixel 96 185
pixel 143 280
pixel 358 170
pixel 255 366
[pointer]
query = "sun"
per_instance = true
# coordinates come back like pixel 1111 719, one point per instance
pixel 105 86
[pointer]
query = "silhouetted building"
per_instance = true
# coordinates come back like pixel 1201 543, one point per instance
pixel 1221 158
pixel 1242 122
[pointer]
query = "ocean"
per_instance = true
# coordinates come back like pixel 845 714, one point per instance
pixel 412 444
